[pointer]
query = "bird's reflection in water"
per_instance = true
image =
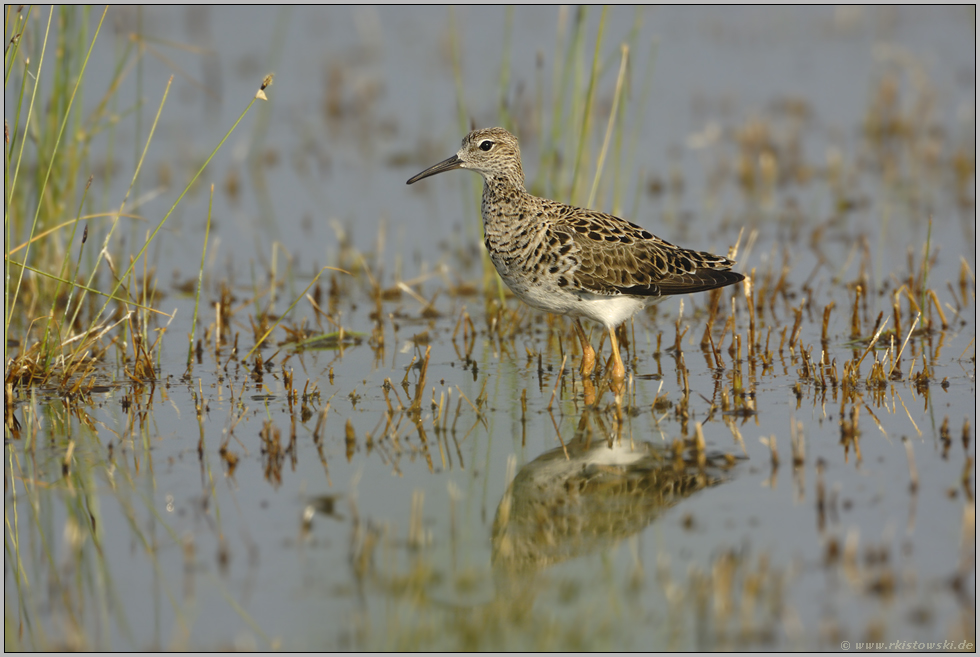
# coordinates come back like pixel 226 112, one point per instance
pixel 588 495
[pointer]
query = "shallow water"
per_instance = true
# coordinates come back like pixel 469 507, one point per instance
pixel 406 497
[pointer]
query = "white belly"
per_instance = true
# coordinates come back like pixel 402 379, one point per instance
pixel 610 311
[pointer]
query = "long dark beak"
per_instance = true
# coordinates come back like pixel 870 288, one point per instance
pixel 446 165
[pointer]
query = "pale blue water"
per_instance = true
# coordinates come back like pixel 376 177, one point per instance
pixel 190 556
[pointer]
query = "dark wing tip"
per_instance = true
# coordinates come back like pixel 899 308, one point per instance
pixel 702 280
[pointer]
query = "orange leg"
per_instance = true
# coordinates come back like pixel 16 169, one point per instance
pixel 588 391
pixel 588 353
pixel 618 370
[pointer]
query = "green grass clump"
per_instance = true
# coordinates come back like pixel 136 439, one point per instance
pixel 64 310
pixel 78 286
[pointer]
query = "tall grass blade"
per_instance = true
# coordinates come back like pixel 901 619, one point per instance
pixel 47 175
pixel 200 281
pixel 122 206
pixel 589 102
pixel 8 300
pixel 609 126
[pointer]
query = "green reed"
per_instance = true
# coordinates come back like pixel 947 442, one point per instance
pixel 51 319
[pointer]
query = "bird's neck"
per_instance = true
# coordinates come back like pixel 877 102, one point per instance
pixel 502 191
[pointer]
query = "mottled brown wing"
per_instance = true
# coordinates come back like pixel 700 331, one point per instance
pixel 612 256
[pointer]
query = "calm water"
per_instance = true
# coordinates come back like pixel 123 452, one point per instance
pixel 226 516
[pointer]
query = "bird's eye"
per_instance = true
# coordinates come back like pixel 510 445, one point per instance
pixel 486 145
